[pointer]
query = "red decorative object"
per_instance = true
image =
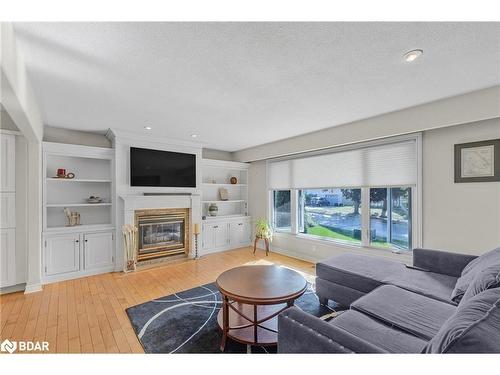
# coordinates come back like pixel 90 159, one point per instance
pixel 61 172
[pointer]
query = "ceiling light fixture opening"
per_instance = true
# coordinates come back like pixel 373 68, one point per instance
pixel 148 128
pixel 412 55
pixel 194 135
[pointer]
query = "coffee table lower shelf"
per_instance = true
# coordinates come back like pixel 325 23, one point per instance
pixel 243 330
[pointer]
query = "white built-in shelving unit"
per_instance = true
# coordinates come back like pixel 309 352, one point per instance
pixel 216 174
pixel 231 227
pixel 88 248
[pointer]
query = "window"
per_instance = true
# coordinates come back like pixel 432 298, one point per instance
pixel 390 217
pixel 282 214
pixel 332 213
pixel 360 195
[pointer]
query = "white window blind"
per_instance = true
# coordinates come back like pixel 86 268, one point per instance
pixel 392 164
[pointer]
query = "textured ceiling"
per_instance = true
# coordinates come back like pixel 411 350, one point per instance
pixel 238 85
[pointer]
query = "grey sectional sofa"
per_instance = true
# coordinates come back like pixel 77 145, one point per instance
pixel 447 303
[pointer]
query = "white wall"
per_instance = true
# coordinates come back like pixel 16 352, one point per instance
pixel 461 217
pixel 18 99
pixel 6 121
pixel 75 137
pixel 209 153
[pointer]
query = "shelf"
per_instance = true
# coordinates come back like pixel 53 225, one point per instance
pixel 222 217
pixel 211 184
pixel 79 228
pixel 78 204
pixel 229 201
pixel 76 180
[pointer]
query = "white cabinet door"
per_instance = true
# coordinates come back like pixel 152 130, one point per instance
pixel 7 162
pixel 208 237
pixel 98 250
pixel 240 233
pixel 7 257
pixel 246 233
pixel 62 254
pixel 221 235
pixel 7 210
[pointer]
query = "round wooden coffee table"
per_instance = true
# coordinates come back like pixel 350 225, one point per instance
pixel 252 298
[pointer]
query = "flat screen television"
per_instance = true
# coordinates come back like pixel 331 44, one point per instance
pixel 162 168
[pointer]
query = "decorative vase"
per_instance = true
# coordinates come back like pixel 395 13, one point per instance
pixel 233 180
pixel 213 209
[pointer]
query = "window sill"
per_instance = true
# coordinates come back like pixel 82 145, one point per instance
pixel 340 244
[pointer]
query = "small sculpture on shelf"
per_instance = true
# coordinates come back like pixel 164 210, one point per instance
pixel 93 199
pixel 233 180
pixel 61 173
pixel 224 195
pixel 73 217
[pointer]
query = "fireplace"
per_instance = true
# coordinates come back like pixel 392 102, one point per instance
pixel 162 232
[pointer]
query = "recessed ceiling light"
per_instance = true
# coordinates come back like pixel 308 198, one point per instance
pixel 194 135
pixel 148 128
pixel 412 55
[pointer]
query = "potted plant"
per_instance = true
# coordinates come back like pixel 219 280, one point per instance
pixel 263 229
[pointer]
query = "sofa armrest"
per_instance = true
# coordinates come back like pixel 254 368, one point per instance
pixel 300 332
pixel 443 262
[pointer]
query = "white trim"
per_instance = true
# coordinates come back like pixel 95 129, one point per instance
pixel 350 146
pixel 32 288
pixel 11 132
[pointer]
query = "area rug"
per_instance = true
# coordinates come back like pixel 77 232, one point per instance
pixel 186 322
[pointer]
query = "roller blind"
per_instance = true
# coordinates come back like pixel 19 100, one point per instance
pixel 393 164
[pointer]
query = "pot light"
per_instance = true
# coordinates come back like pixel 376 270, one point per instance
pixel 412 55
pixel 194 135
pixel 148 128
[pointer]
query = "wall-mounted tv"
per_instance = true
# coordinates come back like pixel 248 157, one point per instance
pixel 162 168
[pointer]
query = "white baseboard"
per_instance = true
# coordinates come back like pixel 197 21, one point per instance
pixel 32 288
pixel 293 254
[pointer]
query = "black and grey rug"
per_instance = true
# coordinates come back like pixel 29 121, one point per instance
pixel 186 322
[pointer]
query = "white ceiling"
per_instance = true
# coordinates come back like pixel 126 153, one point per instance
pixel 239 85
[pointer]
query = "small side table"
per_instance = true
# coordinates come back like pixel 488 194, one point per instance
pixel 266 240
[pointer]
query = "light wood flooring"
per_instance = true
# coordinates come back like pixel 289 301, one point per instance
pixel 87 315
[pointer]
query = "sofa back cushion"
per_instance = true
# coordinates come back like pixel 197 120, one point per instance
pixel 474 328
pixel 471 270
pixel 485 279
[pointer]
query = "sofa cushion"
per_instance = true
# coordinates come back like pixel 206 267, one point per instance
pixel 471 270
pixel 430 284
pixel 359 272
pixel 486 279
pixel 474 328
pixel 390 339
pixel 408 311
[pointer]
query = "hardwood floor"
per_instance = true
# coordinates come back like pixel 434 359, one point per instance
pixel 87 315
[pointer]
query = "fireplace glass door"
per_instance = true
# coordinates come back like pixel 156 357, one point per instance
pixel 161 235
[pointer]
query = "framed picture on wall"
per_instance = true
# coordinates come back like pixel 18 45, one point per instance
pixel 477 161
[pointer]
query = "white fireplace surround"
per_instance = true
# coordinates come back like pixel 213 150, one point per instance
pixel 132 203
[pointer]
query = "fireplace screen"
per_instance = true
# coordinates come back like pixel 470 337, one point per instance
pixel 161 234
